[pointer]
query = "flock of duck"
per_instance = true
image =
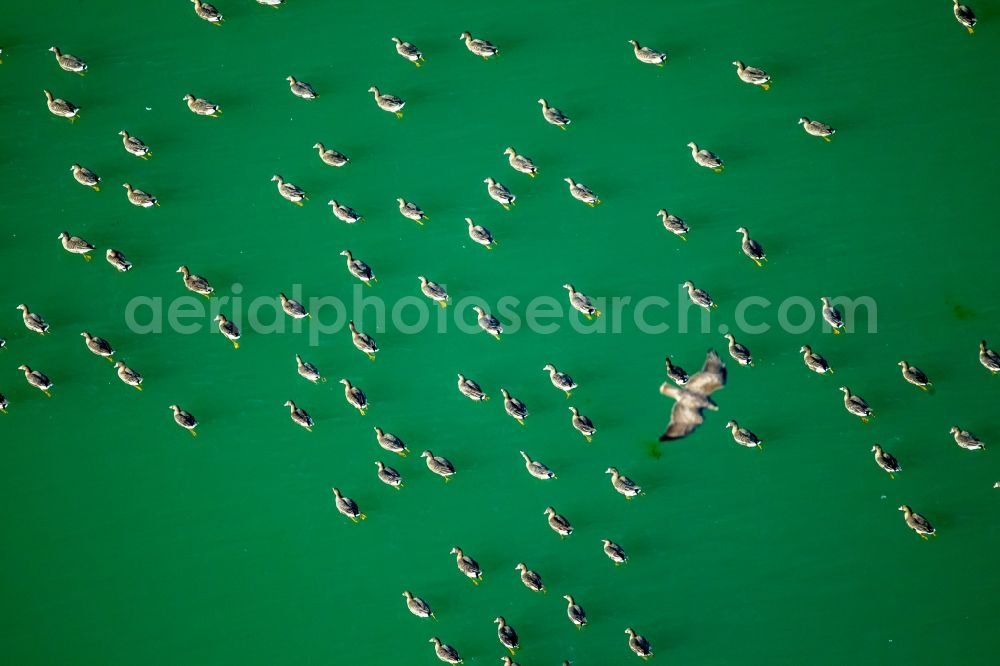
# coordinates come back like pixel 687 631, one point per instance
pixel 515 408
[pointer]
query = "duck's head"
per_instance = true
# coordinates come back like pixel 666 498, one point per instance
pixel 182 269
pixel 803 120
pixel 22 307
pixel 275 178
pixel 395 40
pixel 336 491
pixel 568 180
pixel 692 145
pixel 904 508
pixel 568 287
pixel 611 470
pixel 188 97
pixel 688 285
pixel 290 79
pixel 63 235
pixel 520 566
pixel 826 301
pixel 119 365
pixel 435 640
pixel 123 133
pixel 549 367
pixel 331 202
pixel 318 146
pixel 903 364
pixel 86 335
pixel 24 367
pixel 504 393
pixel 633 43
pixel 289 403
pixel 345 253
pixel 741 230
pixel 729 336
pixel 954 430
pixel 74 167
pixel 220 317
pixel 465 35
pixel 662 212
pixel 731 424
pixel 54 49
pixel 127 186
pixel 468 221
pixel 541 100
pixel 489 181
pixel 805 349
pixel 982 345
pixel 345 382
pixel 423 280
pixel 479 310
pixel 173 408
pixel 508 151
pixel 738 63
pixel 456 550
pixel 373 89
pixel 630 632
pixel 351 326
pixel 844 390
pixel 876 448
pixel 48 95
pixel 549 511
pixel 499 620
pixel 568 597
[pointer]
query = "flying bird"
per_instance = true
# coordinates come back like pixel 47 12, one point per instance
pixel 693 397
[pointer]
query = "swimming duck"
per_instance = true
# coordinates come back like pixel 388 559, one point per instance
pixel 575 612
pixel 99 346
pixel 433 291
pixel 648 55
pixel 752 75
pixel 135 146
pixel 706 158
pixel 201 106
pixel 470 389
pixel 418 606
pixel 554 116
pixel 673 224
pixel 118 260
pixel 32 321
pixel 814 361
pixel 465 564
pixel 559 524
pixel 364 342
pixel 76 245
pixel 638 644
pixel 530 578
pixel 964 15
pixel 831 316
pixel 517 409
pixel 581 302
pixel 744 437
pixel 196 283
pixel 560 380
pixel 914 375
pixel 411 211
pixel 614 552
pixel 699 297
pixel 185 420
pixel 583 424
pixel 69 62
pixel 520 162
pixel 289 191
pixel 886 461
pixel 480 47
pixel 676 373
pixel 856 405
pixel 388 475
pixel 499 193
pixel 128 376
pixel 581 192
pixel 37 379
pixel 292 308
pixel 301 88
pixel 537 469
pixel 488 322
pixel 359 269
pixel 989 358
pixel 207 12
pixel 480 234
pixel 308 370
pixel 752 248
pixel 917 523
pixel 228 329
pixel 299 416
pixel 139 198
pixel 4 404
pixel 507 661
pixel 739 352
pixel 62 108
pixel 443 468
pixel 506 634
pixel 330 156
pixel 391 442
pixel 389 103
pixel 816 128
pixel 347 506
pixel 355 397
pixel 85 176
pixel 408 51
pixel 623 484
pixel 344 213
pixel 966 439
pixel 445 653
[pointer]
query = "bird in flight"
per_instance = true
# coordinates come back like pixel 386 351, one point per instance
pixel 693 397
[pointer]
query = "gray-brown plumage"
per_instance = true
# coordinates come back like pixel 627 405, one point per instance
pixel 530 578
pixel 488 322
pixel 289 191
pixel 964 15
pixel 743 436
pixel 575 612
pixel 185 419
pixel 60 107
pixel 99 346
pixel 387 102
pixel 706 158
pixel 520 162
pixel 554 116
pixel 693 397
pixel 832 316
pixel 76 245
pixel 560 380
pixel 344 213
pixel 614 552
pixel 391 442
pixel 388 475
pixel 411 211
pixel 85 176
pixel 508 637
pixel 135 146
pixel 499 193
pixel 196 283
pixel 301 88
pixel 299 416
pixel 989 358
pixel 308 370
pixel 856 405
pixel 291 307
pixel 816 128
pixel 752 248
pixel 886 461
pixel 128 376
pixel 698 296
pixel 408 51
pixel 479 47
pixel 363 342
pixel 648 55
pixel 480 234
pixel 67 62
pixel 917 523
pixel 347 506
pixel 581 192
pixel 417 606
pixel 33 321
pixel 739 352
pixel 581 302
pixel 622 484
pixel 139 198
pixel 470 389
pixel 467 566
pixel 638 644
pixel 966 439
pixel 516 409
pixel 359 269
pixel 445 652
pixel 814 361
pixel 537 469
pixel 752 75
pixel 355 396
pixel 207 12
pixel 914 375
pixel 673 224
pixel 559 524
pixel 201 106
pixel 676 373
pixel 439 465
pixel 334 158
pixel 582 424
pixel 37 379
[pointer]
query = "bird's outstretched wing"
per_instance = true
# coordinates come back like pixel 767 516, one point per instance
pixel 684 418
pixel 711 377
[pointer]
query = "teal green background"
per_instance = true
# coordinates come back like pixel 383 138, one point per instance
pixel 126 541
